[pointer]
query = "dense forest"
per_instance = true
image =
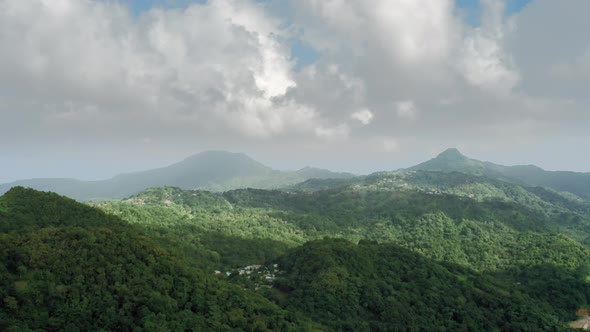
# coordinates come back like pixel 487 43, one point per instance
pixel 407 250
pixel 383 287
pixel 69 267
pixel 244 226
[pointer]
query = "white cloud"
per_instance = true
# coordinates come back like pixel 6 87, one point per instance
pixel 210 63
pixel 221 74
pixel 483 60
pixel 364 116
pixel 417 31
pixel 407 109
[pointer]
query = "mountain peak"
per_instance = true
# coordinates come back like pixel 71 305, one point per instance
pixel 451 153
pixel 451 160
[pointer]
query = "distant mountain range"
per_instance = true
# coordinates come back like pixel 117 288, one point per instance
pixel 211 170
pixel 451 160
pixel 221 171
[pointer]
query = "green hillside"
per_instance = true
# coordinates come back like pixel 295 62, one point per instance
pixel 442 261
pixel 429 257
pixel 504 227
pixel 70 267
pixel 459 247
pixel 382 287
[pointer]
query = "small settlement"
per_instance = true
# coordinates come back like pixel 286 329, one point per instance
pixel 259 276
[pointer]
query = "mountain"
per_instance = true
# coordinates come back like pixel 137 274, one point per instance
pixel 65 266
pixel 451 160
pixel 222 171
pixel 212 170
pixel 572 184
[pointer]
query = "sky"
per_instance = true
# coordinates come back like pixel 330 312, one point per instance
pixel 90 89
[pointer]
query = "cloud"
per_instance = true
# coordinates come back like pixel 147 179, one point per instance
pixel 406 109
pixel 465 77
pixel 219 64
pixel 418 30
pixel 221 74
pixel 483 60
pixel 364 116
pixel 553 61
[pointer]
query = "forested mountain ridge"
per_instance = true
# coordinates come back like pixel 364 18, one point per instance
pixel 475 263
pixel 477 187
pixel 245 226
pixel 452 160
pixel 222 171
pixel 567 187
pixel 211 170
pixel 69 267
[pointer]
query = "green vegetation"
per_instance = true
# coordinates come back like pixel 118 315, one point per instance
pixel 502 226
pixel 69 267
pixel 484 235
pixel 452 244
pixel 382 287
pixel 206 226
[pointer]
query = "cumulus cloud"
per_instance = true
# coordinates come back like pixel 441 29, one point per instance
pixel 406 109
pixel 363 116
pixel 209 64
pixel 223 71
pixel 418 31
pixel 483 59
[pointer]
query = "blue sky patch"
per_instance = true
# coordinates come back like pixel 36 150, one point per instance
pixel 471 9
pixel 303 54
pixel 139 6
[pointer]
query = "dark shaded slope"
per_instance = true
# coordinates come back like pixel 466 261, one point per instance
pixel 66 266
pixel 382 287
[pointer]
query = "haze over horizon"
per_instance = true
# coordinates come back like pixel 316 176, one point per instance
pixel 91 89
